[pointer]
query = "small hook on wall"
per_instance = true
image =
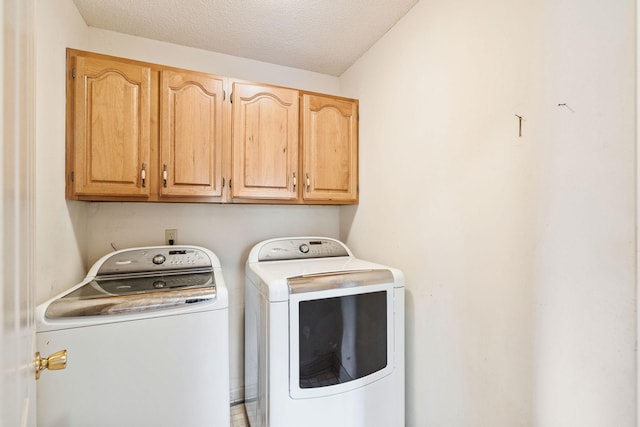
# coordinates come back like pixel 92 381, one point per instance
pixel 564 104
pixel 520 119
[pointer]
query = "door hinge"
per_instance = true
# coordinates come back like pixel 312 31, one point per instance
pixel 231 97
pixel 73 73
pixel 223 182
pixel 73 176
pixel 229 183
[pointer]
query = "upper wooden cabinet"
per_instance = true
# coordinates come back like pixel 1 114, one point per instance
pixel 265 142
pixel 191 129
pixel 138 131
pixel 330 148
pixel 145 132
pixel 111 127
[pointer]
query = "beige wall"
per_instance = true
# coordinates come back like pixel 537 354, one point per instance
pixel 112 43
pixel 518 251
pixel 60 225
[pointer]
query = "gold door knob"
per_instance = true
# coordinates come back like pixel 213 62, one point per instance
pixel 54 362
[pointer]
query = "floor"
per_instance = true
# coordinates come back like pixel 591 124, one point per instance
pixel 238 416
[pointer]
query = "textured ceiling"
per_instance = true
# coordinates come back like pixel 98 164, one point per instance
pixel 326 36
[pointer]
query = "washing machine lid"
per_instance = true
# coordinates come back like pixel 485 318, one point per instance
pixel 128 295
pixel 140 280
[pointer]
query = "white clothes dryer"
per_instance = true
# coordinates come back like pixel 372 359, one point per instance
pixel 324 337
pixel 146 334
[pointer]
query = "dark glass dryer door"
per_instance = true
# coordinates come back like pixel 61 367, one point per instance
pixel 341 331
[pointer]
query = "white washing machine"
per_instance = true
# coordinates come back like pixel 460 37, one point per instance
pixel 146 334
pixel 324 337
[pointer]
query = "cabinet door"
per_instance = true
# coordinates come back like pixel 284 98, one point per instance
pixel 330 148
pixel 191 134
pixel 265 142
pixel 112 125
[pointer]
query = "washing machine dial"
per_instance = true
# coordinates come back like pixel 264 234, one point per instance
pixel 304 248
pixel 159 259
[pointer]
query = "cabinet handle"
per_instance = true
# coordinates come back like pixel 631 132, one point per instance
pixel 164 175
pixel 308 182
pixel 295 182
pixel 143 175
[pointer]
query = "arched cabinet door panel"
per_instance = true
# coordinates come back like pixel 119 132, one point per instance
pixel 264 142
pixel 111 118
pixel 191 132
pixel 330 148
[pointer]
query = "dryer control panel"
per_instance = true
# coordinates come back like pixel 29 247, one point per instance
pixel 289 249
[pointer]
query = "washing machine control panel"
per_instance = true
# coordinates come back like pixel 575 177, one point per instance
pixel 155 259
pixel 285 249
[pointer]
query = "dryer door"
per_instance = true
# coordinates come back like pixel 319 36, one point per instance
pixel 341 331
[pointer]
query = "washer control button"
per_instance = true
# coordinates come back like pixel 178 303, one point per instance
pixel 159 259
pixel 304 248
